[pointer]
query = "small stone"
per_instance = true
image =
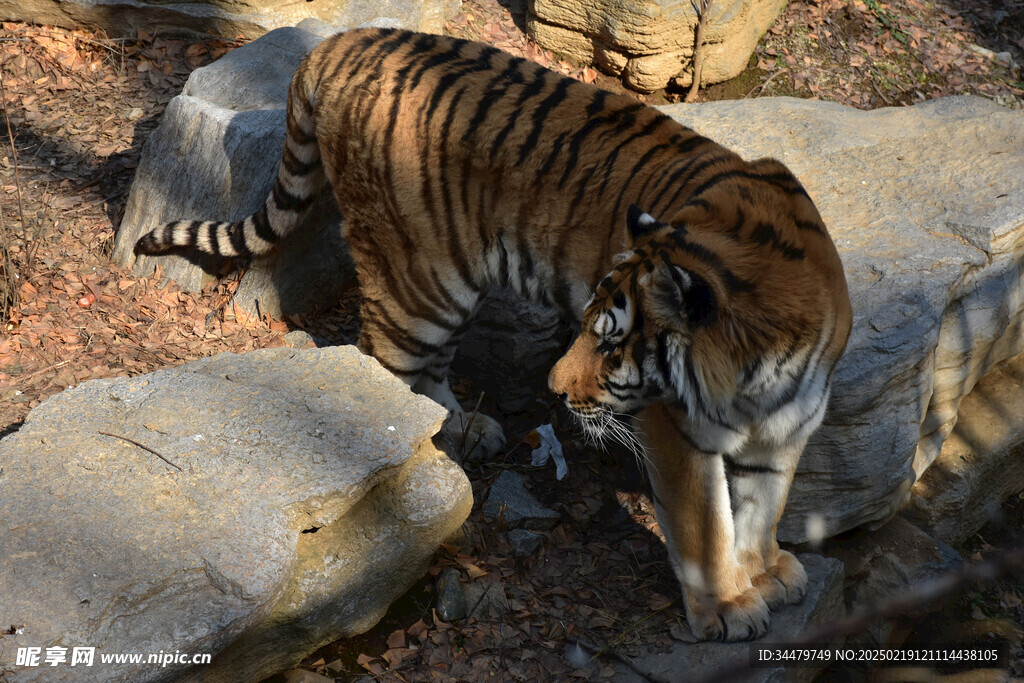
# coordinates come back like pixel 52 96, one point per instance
pixel 486 599
pixel 451 599
pixel 521 509
pixel 524 542
pixel 298 339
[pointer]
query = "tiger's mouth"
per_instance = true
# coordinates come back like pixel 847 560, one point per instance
pixel 603 426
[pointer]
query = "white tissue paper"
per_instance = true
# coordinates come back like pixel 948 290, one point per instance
pixel 549 448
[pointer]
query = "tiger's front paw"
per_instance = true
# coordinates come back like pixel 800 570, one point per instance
pixel 783 584
pixel 743 617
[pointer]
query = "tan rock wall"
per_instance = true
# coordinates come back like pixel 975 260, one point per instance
pixel 650 42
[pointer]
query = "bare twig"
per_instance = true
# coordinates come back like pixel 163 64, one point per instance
pixel 765 82
pixel 632 627
pixel 465 429
pixel 9 298
pixel 61 364
pixel 698 50
pixel 143 447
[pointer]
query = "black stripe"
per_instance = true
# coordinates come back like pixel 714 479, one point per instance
pixel 765 234
pixel 449 298
pixel 296 167
pixel 695 165
pixel 262 226
pixel 192 231
pixel 625 122
pixel 661 356
pixel 810 226
pixel 784 181
pixel 740 469
pixel 534 87
pixel 687 439
pixel 541 113
pixel 691 143
pixel 455 247
pixel 398 335
pixel 597 103
pixel 237 237
pixel 690 173
pixel 286 201
pixel 296 133
pixel 737 227
pixel 632 173
pixel 438 59
pixel 526 266
pixel 732 281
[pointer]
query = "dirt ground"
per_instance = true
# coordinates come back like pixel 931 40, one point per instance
pixel 80 106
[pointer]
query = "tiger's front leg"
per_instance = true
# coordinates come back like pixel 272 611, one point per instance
pixel 694 511
pixel 760 476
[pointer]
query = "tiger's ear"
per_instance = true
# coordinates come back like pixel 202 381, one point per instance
pixel 639 223
pixel 679 294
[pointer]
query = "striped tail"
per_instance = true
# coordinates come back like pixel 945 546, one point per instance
pixel 300 178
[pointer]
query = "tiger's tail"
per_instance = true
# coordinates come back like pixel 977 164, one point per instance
pixel 300 178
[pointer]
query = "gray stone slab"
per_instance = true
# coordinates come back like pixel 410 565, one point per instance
pixel 304 496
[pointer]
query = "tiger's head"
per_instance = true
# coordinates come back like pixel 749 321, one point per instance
pixel 637 330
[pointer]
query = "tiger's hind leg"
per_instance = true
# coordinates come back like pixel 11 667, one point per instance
pixel 691 499
pixel 472 435
pixel 415 337
pixel 760 476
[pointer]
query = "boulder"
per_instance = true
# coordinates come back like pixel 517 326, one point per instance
pixel 252 507
pixel 650 42
pixel 926 205
pixel 980 465
pixel 215 156
pixel 228 18
pixel 887 563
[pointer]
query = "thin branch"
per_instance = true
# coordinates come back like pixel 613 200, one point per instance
pixel 761 86
pixel 698 50
pixel 466 427
pixel 143 447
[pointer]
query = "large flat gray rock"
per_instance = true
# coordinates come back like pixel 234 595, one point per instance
pixel 926 204
pixel 308 497
pixel 229 18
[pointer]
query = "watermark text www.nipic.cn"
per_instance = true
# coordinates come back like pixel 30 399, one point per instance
pixel 87 656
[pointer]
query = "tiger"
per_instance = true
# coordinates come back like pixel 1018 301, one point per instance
pixel 710 301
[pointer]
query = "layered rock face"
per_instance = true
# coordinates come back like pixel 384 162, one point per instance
pixel 251 507
pixel 650 42
pixel 228 18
